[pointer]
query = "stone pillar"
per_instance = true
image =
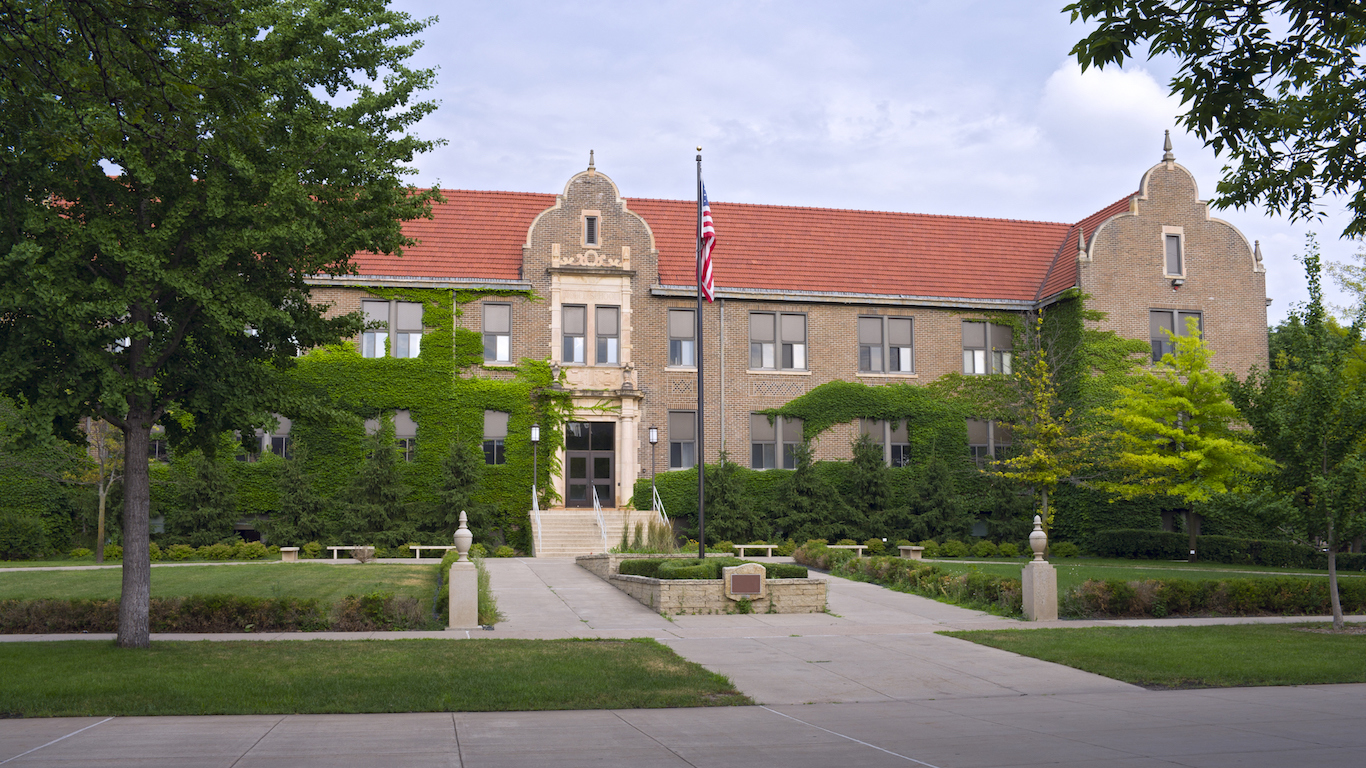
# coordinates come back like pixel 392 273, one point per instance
pixel 1039 580
pixel 464 583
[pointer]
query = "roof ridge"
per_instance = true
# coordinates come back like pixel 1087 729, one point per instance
pixel 858 210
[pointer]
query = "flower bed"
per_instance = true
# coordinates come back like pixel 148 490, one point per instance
pixel 683 585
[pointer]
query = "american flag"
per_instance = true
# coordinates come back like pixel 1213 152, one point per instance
pixel 706 283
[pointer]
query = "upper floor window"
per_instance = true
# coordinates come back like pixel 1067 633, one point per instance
pixel 375 338
pixel 408 329
pixel 769 440
pixel 884 345
pixel 607 327
pixel 497 333
pixel 987 348
pixel 777 341
pixel 1164 324
pixel 682 334
pixel 495 433
pixel 1175 259
pixel 399 321
pixel 682 439
pixel 574 328
pixel 405 433
pixel 277 441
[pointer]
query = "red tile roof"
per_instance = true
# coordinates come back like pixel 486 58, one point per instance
pixel 479 235
pixel 473 235
pixel 821 249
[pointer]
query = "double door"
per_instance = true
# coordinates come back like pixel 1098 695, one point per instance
pixel 590 457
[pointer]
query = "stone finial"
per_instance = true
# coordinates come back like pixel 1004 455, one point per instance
pixel 463 539
pixel 590 160
pixel 1081 243
pixel 1167 155
pixel 1038 540
pixel 1257 250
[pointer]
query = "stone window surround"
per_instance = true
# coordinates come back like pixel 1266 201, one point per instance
pixel 584 216
pixel 1180 232
pixel 590 331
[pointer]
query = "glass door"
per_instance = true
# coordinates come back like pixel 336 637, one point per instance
pixel 590 458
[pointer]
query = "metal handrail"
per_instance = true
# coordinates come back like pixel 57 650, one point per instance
pixel 659 506
pixel 597 510
pixel 536 516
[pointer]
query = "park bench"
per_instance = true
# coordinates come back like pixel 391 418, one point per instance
pixel 417 548
pixel 767 548
pixel 913 553
pixel 858 548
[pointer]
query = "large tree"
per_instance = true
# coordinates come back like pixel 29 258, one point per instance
pixel 1309 411
pixel 172 171
pixel 1277 87
pixel 1178 432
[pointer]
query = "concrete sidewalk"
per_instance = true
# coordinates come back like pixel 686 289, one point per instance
pixel 1305 727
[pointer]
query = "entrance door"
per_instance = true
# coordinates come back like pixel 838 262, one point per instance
pixel 591 458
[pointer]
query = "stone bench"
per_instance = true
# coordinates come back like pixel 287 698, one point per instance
pixel 350 548
pixel 913 553
pixel 289 554
pixel 417 548
pixel 858 548
pixel 768 549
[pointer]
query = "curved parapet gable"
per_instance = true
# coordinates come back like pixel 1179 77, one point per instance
pixel 1165 253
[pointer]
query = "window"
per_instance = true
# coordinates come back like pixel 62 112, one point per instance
pixel 777 341
pixel 682 333
pixel 408 333
pixel 1175 264
pixel 765 437
pixel 574 322
pixel 606 326
pixel 1164 323
pixel 495 432
pixel 987 440
pixel 277 441
pixel 891 436
pixel 497 333
pixel 982 355
pixel 405 432
pixel 682 439
pixel 376 334
pixel 884 345
pixel 590 230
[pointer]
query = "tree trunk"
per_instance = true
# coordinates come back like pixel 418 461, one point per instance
pixel 135 601
pixel 1193 529
pixel 1333 577
pixel 1048 542
pixel 99 526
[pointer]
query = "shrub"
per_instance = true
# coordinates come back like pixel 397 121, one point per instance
pixel 845 542
pixel 1143 545
pixel 250 550
pixel 786 548
pixel 113 552
pixel 724 547
pixel 378 611
pixel 208 551
pixel 984 548
pixel 1228 597
pixel 1008 550
pixel 478 551
pixel 80 552
pixel 154 552
pixel 22 536
pixel 505 551
pixel 785 571
pixel 643 567
pixel 876 546
pixel 953 548
pixel 311 551
pixel 200 613
pixel 931 548
pixel 972 588
pixel 273 550
pixel 179 552
pixel 1064 549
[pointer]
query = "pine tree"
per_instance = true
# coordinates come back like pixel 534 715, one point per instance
pixel 937 510
pixel 811 507
pixel 207 506
pixel 730 516
pixel 301 513
pixel 461 471
pixel 374 508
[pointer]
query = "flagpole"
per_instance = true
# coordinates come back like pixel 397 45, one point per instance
pixel 701 391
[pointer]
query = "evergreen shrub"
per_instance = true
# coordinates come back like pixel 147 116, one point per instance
pixel 249 550
pixel 875 546
pixel 504 551
pixel 216 552
pixel 931 548
pixel 113 552
pixel 154 552
pixel 953 548
pixel 311 551
pixel 22 536
pixel 1165 545
pixel 1064 549
pixel 974 588
pixel 1008 550
pixel 179 552
pixel 985 549
pixel 80 552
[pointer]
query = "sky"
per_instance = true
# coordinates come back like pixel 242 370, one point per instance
pixel 961 108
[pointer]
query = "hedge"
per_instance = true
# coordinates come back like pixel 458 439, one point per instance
pixel 693 568
pixel 1156 598
pixel 219 613
pixel 974 588
pixel 1166 545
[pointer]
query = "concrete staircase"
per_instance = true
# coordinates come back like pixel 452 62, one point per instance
pixel 568 532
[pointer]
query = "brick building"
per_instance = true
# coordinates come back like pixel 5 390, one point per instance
pixel 603 286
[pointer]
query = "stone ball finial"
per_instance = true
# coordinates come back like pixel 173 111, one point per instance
pixel 1167 155
pixel 463 539
pixel 1038 540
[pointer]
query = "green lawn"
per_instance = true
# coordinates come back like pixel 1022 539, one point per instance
pixel 1193 657
pixel 1073 571
pixel 88 678
pixel 325 582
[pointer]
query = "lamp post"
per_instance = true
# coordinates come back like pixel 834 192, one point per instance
pixel 654 439
pixel 535 454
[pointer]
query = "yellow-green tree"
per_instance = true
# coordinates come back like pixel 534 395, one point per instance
pixel 1176 432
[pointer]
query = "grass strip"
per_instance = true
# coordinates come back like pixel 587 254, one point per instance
pixel 89 678
pixel 1219 656
pixel 328 583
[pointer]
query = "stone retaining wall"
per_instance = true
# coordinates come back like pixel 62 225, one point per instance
pixel 694 596
pixel 607 564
